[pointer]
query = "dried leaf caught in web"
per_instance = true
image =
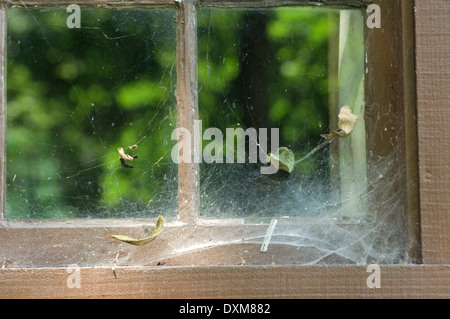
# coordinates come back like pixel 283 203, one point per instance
pixel 125 157
pixel 346 124
pixel 142 241
pixel 283 159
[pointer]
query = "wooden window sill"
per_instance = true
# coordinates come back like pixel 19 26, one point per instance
pixel 339 281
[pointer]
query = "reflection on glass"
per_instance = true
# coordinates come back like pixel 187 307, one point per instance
pixel 273 68
pixel 74 97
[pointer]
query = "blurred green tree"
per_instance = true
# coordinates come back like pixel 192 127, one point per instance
pixel 263 68
pixel 76 95
pixel 266 68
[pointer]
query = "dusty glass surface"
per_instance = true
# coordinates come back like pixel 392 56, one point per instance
pixel 75 95
pixel 269 68
pixel 300 71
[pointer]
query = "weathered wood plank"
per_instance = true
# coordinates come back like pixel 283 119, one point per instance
pixel 433 95
pixel 390 120
pixel 227 282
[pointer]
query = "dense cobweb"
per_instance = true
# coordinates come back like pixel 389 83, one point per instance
pixel 339 199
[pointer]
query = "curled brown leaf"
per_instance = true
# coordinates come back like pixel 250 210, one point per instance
pixel 346 124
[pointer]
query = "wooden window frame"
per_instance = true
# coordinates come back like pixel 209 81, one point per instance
pixel 419 86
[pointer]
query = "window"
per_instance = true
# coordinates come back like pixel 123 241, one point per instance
pixel 346 203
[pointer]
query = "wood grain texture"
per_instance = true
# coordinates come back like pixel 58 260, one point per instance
pixel 228 282
pixel 391 122
pixel 432 23
pixel 410 122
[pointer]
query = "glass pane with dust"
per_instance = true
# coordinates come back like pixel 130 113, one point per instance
pixel 78 93
pixel 264 69
pixel 288 85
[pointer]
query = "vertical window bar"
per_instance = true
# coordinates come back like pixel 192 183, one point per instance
pixel 352 151
pixel 187 108
pixel 387 91
pixel 2 109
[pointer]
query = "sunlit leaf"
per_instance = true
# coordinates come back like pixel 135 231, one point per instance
pixel 142 241
pixel 134 95
pixel 283 159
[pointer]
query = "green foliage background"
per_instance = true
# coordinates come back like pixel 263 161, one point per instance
pixel 76 95
pixel 264 68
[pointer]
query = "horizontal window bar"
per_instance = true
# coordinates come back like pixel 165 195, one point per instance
pixel 283 3
pixel 89 3
pixel 220 3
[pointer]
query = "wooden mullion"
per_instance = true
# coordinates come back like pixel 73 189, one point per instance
pixel 187 109
pixel 410 122
pixel 390 121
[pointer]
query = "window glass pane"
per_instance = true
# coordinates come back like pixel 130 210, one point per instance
pixel 75 95
pixel 268 68
pixel 294 70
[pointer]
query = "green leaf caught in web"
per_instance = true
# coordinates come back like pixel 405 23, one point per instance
pixel 283 159
pixel 142 241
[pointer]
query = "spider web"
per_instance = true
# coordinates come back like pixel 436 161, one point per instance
pixel 328 206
